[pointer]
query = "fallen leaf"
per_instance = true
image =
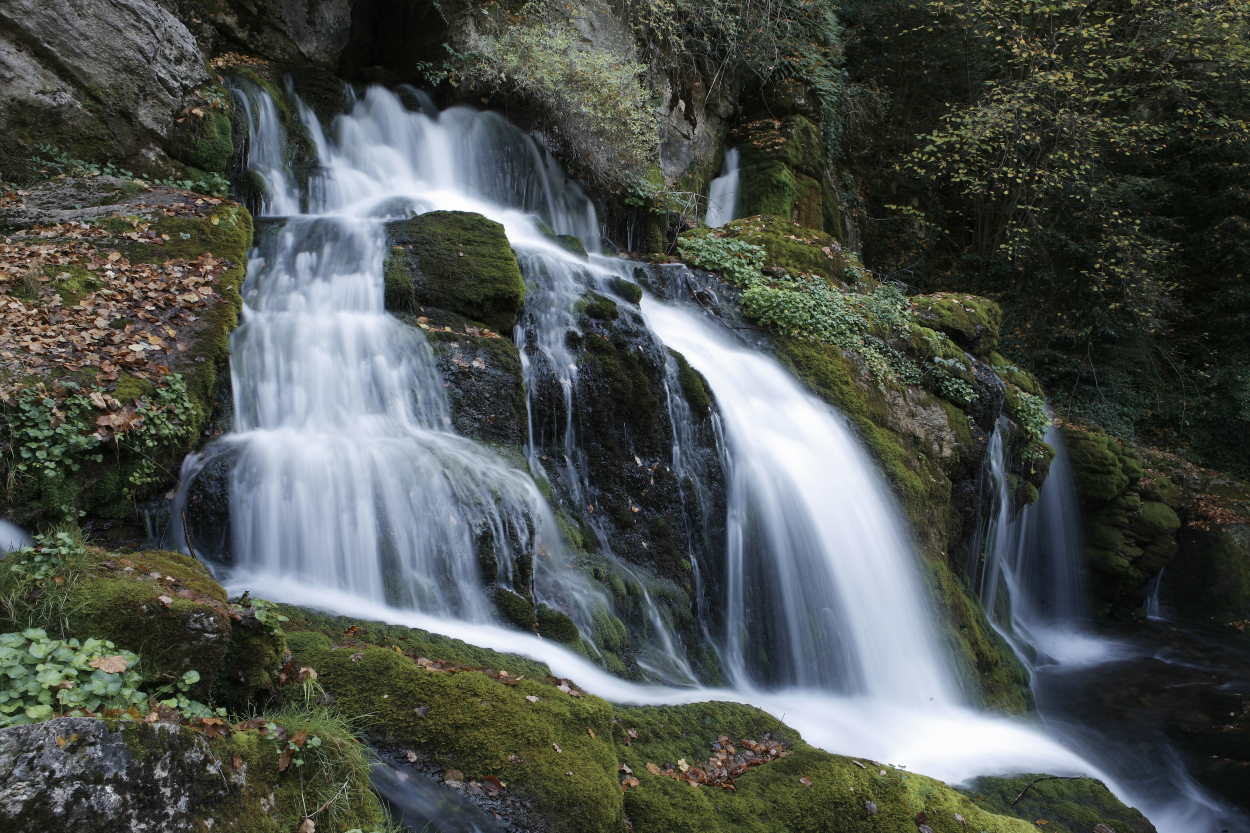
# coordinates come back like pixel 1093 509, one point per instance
pixel 453 775
pixel 533 698
pixel 114 664
pixel 805 781
pixel 307 826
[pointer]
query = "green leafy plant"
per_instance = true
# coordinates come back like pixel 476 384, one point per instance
pixel 1029 412
pixel 808 307
pixel 42 677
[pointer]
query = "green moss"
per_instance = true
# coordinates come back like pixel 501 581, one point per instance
pixel 788 246
pixel 1155 518
pixel 1002 681
pixel 597 306
pixel 555 626
pixel 1068 805
pixel 515 608
pixel 556 750
pixel 204 140
pixel 164 606
pixel 693 386
pixel 809 207
pixel 1097 464
pixel 72 282
pixel 456 261
pixel 628 290
pixel 972 321
pixel 767 188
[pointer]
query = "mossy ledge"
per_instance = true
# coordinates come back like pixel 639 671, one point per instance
pixel 572 757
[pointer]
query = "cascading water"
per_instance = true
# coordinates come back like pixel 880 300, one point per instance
pixel 722 193
pixel 822 588
pixel 344 467
pixel 1034 594
pixel 350 492
pixel 12 537
pixel 1030 572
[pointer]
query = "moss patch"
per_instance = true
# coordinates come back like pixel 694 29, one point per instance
pixel 1067 805
pixel 456 261
pixel 970 320
pixel 163 606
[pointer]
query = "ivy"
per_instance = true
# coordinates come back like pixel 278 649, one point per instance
pixel 1029 412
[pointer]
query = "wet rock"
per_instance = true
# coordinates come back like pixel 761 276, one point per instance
pixel 457 261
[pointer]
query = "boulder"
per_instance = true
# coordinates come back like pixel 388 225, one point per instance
pixel 96 776
pixel 455 261
pixel 101 81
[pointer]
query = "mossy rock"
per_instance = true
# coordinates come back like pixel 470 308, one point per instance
pixel 555 750
pixel 767 188
pixel 556 626
pixel 1003 682
pixel 1212 585
pixel 597 306
pixel 203 136
pixel 1098 464
pixel 483 376
pixel 457 261
pixel 163 606
pixel 628 290
pixel 788 246
pixel 782 162
pixel 161 234
pixel 569 758
pixel 1066 805
pixel 972 321
pixel 693 387
pixel 95 776
pixel 515 608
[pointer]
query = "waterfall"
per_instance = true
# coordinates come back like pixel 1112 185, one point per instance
pixel 344 468
pixel 12 537
pixel 349 490
pixel 1031 581
pixel 822 586
pixel 722 193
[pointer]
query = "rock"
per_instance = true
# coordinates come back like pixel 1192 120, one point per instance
pixel 76 773
pixel 285 31
pixel 484 384
pixel 563 754
pixel 88 776
pixel 155 387
pixel 972 321
pixel 457 261
pixel 102 80
pixel 515 608
pixel 165 607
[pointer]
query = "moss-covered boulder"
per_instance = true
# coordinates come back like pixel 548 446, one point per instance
pixel 796 249
pixel 163 606
pixel 457 261
pixel 972 321
pixel 1130 534
pixel 202 135
pixel 123 306
pixel 95 776
pixel 1066 805
pixel 540 751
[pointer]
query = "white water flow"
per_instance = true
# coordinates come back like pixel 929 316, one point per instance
pixel 1031 584
pixel 722 193
pixel 346 472
pixel 352 495
pixel 12 537
pixel 822 586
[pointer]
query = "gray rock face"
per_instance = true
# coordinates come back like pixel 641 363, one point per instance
pixel 101 79
pixel 75 773
pixel 287 31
